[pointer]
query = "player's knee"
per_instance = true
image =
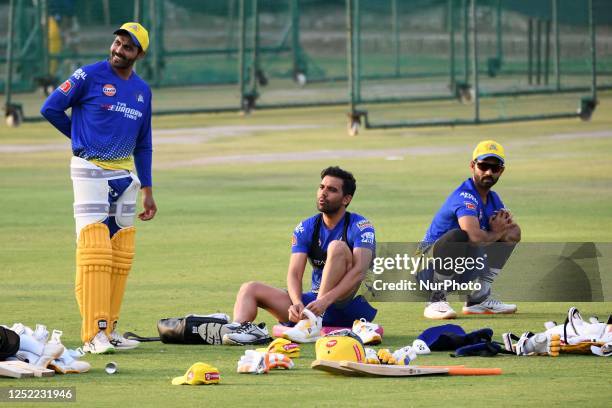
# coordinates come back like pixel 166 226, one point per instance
pixel 338 250
pixel 248 289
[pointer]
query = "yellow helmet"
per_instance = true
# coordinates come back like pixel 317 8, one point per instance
pixel 341 345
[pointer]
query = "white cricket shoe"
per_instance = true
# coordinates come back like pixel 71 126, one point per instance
pixel 366 331
pixel 246 334
pixel 121 343
pixel 490 306
pixel 441 310
pixel 306 330
pixel 99 345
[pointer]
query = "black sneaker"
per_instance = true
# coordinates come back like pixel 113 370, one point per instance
pixel 247 334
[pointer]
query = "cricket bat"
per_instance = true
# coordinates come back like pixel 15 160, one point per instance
pixel 28 368
pixel 407 371
pixel 334 367
pixel 13 372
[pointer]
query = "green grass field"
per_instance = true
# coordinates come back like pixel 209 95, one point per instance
pixel 230 189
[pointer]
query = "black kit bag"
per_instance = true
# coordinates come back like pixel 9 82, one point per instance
pixel 191 329
pixel 9 343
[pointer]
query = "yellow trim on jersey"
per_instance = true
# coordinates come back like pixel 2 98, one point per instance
pixel 119 164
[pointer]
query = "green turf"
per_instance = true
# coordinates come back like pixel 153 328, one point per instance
pixel 221 224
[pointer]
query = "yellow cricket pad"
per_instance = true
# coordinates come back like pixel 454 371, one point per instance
pixel 94 259
pixel 123 244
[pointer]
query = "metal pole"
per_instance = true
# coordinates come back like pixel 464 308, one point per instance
pixel 357 49
pixel 350 54
pixel 255 45
pixel 137 10
pixel 44 25
pixel 538 51
pixel 229 33
pixel 153 15
pixel 475 62
pixel 557 65
pixel 530 52
pixel 9 54
pixel 242 48
pixel 396 42
pixel 547 52
pixel 593 52
pixel 498 18
pixel 466 42
pixel 295 37
pixel 451 39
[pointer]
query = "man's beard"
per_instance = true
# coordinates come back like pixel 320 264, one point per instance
pixel 486 181
pixel 328 208
pixel 122 61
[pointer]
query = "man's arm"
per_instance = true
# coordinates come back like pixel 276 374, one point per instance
pixel 471 225
pixel 64 96
pixel 295 273
pixel 362 257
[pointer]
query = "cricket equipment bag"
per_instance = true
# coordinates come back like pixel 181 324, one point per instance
pixel 191 329
pixel 9 343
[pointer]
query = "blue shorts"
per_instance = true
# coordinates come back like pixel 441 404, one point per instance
pixel 345 315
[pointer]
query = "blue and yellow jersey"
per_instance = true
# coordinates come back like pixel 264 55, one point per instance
pixel 464 201
pixel 359 234
pixel 111 118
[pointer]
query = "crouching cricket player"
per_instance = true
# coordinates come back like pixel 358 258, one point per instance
pixel 110 132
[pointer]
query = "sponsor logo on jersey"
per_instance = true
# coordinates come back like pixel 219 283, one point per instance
pixel 363 224
pixel 140 98
pixel 467 195
pixel 79 74
pixel 66 87
pixel 299 229
pixel 367 237
pixel 121 107
pixel 109 90
pixel 470 206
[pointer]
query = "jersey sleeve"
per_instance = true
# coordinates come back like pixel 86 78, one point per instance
pixel 363 234
pixel 300 240
pixel 143 153
pixel 464 204
pixel 498 204
pixel 63 97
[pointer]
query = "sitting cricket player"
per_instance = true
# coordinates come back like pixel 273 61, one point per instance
pixel 340 246
pixel 110 131
pixel 470 220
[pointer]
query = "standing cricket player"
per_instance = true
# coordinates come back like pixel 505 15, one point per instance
pixel 110 132
pixel 472 222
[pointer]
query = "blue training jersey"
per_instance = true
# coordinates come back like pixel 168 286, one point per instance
pixel 360 234
pixel 464 201
pixel 111 118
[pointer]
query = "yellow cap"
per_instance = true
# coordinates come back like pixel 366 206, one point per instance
pixel 341 347
pixel 199 373
pixel 139 34
pixel 489 148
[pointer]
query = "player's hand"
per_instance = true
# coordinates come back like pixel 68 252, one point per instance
pixel 506 214
pixel 499 222
pixel 148 203
pixel 295 312
pixel 318 306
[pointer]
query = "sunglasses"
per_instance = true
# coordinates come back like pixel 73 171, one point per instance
pixel 484 166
